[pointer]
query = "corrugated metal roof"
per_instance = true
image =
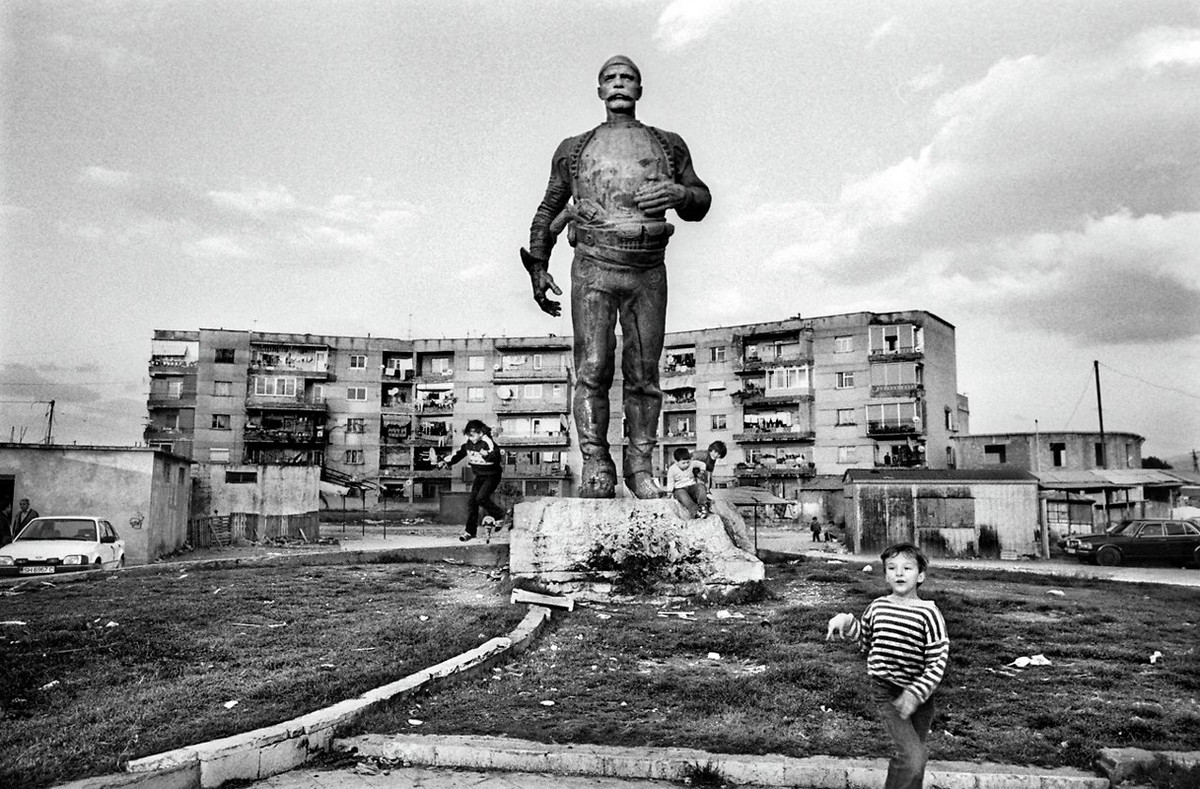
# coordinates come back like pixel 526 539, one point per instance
pixel 959 475
pixel 1105 478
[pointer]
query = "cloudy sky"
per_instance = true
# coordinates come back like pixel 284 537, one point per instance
pixel 1028 171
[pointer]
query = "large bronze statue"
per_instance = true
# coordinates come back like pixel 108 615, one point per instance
pixel 619 179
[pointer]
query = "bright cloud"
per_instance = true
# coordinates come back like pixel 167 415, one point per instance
pixel 685 21
pixel 1065 187
pixel 267 225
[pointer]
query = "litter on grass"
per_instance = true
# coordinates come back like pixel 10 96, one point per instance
pixel 231 704
pixel 1155 657
pixel 1056 592
pixel 1023 662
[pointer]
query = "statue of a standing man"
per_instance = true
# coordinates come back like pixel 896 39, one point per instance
pixel 620 179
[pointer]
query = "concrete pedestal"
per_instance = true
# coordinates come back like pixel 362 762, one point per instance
pixel 597 547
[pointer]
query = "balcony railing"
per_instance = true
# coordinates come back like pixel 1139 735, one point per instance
pixel 762 471
pixel 164 400
pixel 897 390
pixel 546 470
pixel 397 375
pixel 679 405
pixel 900 353
pixel 531 374
pixel 397 407
pixel 757 364
pixel 433 407
pixel 171 365
pixel 430 473
pixel 752 397
pixel 679 437
pixel 777 435
pixel 285 402
pixel 892 428
pixel 311 370
pixel 532 406
pixel 532 440
pixel 283 436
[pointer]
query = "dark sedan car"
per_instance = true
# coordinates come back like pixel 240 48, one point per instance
pixel 1145 539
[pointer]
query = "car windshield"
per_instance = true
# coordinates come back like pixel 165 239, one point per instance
pixel 1121 528
pixel 59 529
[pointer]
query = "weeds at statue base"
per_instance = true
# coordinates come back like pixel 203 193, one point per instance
pixel 651 551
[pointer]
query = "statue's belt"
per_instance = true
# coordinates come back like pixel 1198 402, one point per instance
pixel 630 238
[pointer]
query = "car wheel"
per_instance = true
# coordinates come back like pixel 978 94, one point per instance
pixel 1108 556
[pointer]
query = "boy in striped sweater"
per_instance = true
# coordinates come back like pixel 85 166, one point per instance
pixel 907 650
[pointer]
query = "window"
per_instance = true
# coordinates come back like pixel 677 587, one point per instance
pixel 844 380
pixel 1058 453
pixel 218 455
pixel 788 378
pixel 716 354
pixel 719 422
pixel 533 392
pixel 358 361
pixel 241 477
pixel 180 476
pixel 356 393
pixel 356 425
pixel 537 361
pixel 949 419
pixel 274 387
pixel 1100 459
pixel 222 388
pixel 995 454
pixel 475 394
pixel 847 454
pixel 557 391
pixel 225 356
pixel 220 421
pixel 354 457
pixel 843 344
pixel 174 389
pixel 845 416
pixel 475 363
pixel 440 365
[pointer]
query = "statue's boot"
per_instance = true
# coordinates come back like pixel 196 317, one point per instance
pixel 641 483
pixel 598 477
pixel 641 423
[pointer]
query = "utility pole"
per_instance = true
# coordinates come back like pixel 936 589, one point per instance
pixel 1102 455
pixel 50 425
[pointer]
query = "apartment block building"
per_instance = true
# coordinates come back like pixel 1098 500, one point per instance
pixel 791 399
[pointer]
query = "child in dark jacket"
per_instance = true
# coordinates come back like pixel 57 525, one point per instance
pixel 484 456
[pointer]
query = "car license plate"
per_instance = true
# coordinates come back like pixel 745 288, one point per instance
pixel 37 571
pixel 1069 550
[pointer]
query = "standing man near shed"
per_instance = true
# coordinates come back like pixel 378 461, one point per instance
pixel 619 179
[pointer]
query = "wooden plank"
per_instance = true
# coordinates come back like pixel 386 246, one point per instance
pixel 550 601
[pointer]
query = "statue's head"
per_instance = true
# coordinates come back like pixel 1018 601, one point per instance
pixel 620 84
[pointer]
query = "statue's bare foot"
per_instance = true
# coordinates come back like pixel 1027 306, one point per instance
pixel 598 479
pixel 642 485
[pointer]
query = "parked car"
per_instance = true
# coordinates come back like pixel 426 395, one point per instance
pixel 63 544
pixel 1155 539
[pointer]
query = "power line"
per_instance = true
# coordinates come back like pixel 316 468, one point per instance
pixel 1151 383
pixel 1086 385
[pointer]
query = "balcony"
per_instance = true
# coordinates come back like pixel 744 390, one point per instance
pixel 904 428
pixel 164 400
pixel 778 435
pixel 750 365
pixel 762 471
pixel 311 371
pixel 763 397
pixel 430 377
pixel 532 406
pixel 285 403
pixel 537 471
pixel 266 435
pixel 531 374
pixel 900 354
pixel 397 375
pixel 429 473
pixel 278 456
pixel 532 440
pixel 171 365
pixel 897 390
pixel 397 408
pixel 433 407
pixel 679 405
pixel 678 437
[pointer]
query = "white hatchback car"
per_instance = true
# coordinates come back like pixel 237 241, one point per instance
pixel 63 544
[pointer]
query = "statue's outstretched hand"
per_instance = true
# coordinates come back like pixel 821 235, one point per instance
pixel 655 197
pixel 542 282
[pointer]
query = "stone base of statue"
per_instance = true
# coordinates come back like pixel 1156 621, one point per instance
pixel 601 548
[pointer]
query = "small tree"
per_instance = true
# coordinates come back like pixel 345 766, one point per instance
pixel 1153 462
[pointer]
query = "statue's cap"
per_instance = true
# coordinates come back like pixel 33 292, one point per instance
pixel 620 59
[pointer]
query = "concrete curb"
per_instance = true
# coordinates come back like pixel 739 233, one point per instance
pixel 276 749
pixel 673 764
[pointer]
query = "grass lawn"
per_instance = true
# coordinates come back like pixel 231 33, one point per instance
pixel 121 666
pixel 632 675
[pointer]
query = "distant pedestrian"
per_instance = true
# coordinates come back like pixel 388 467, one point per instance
pixel 815 528
pixel 23 516
pixel 907 650
pixel 486 462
